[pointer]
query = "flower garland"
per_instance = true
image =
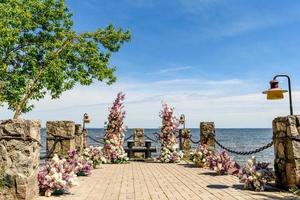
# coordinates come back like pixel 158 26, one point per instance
pixel 255 175
pixel 168 153
pixel 56 177
pixel 114 136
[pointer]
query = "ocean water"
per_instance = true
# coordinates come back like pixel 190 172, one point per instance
pixel 243 139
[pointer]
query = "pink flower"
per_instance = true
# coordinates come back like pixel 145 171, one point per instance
pixel 113 149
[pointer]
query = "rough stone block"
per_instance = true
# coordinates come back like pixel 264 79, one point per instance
pixel 19 153
pixel 79 137
pixel 66 131
pixel 139 141
pixel 185 142
pixel 287 151
pixel 207 134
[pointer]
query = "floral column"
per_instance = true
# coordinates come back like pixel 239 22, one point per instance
pixel 114 135
pixel 168 153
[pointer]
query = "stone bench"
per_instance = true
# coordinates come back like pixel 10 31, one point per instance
pixel 147 149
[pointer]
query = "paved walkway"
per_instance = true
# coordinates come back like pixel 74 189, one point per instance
pixel 143 181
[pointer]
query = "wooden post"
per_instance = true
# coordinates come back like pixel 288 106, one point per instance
pixel 130 144
pixel 148 151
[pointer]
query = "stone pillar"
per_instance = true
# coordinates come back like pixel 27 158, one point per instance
pixel 286 138
pixel 139 141
pixel 60 137
pixel 185 145
pixel 84 137
pixel 19 159
pixel 79 137
pixel 207 134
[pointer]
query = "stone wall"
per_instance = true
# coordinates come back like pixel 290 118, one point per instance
pixel 19 157
pixel 61 135
pixel 185 143
pixel 84 136
pixel 207 134
pixel 286 137
pixel 80 138
pixel 139 141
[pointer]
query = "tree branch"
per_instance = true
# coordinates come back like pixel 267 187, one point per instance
pixel 31 87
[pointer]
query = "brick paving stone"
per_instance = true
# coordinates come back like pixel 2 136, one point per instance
pixel 157 181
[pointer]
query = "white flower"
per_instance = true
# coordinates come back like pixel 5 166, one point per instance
pixel 55 158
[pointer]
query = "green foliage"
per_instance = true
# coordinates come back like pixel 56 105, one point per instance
pixel 40 52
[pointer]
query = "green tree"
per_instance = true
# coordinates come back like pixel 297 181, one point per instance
pixel 41 53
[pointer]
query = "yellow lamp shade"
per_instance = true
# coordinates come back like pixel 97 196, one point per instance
pixel 274 92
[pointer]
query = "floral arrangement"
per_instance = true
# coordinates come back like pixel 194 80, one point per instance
pixel 255 175
pixel 95 155
pixel 79 165
pixel 113 149
pixel 56 177
pixel 168 156
pixel 168 153
pixel 222 163
pixel 200 155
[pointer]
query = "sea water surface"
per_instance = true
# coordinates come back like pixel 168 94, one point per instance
pixel 240 139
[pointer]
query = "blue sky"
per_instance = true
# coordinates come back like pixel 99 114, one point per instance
pixel 210 59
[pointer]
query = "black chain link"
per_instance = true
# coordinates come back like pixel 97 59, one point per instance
pixel 93 139
pixel 244 152
pixel 153 140
pixel 130 136
pixel 195 142
pixel 50 152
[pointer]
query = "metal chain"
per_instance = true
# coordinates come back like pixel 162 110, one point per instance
pixel 149 138
pixel 50 152
pixel 295 138
pixel 194 141
pixel 130 136
pixel 93 139
pixel 244 152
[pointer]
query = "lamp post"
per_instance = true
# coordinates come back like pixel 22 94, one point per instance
pixel 86 119
pixel 275 92
pixel 181 121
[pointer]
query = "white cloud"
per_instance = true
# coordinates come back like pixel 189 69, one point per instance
pixel 208 101
pixel 172 70
pixel 226 18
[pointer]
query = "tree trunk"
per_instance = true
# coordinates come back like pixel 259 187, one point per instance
pixel 17 113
